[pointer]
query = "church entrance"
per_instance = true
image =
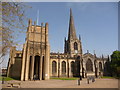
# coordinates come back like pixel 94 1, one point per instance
pixel 36 67
pixel 77 67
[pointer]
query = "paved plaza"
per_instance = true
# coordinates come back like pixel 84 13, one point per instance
pixel 99 83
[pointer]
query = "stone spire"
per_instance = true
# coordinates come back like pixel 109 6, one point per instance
pixel 72 32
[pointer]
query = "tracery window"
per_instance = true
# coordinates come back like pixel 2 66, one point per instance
pixel 75 46
pixel 89 66
pixel 100 66
pixel 54 67
pixel 63 67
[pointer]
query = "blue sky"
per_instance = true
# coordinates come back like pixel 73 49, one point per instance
pixel 96 22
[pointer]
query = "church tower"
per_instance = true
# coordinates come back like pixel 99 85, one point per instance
pixel 73 45
pixel 36 53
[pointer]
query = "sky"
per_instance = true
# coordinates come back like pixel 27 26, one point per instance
pixel 96 22
pixel 60 0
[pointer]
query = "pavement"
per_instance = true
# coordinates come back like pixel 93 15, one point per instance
pixel 99 83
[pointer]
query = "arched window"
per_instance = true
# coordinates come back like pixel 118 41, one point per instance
pixel 89 66
pixel 63 67
pixel 54 67
pixel 75 46
pixel 72 66
pixel 100 66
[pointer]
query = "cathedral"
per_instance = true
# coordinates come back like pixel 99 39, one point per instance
pixel 36 62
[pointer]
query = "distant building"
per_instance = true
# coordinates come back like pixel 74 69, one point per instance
pixel 4 71
pixel 36 62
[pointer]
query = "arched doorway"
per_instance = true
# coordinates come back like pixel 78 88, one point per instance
pixel 77 67
pixel 72 67
pixel 54 67
pixel 63 67
pixel 36 67
pixel 89 66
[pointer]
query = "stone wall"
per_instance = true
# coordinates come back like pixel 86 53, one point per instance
pixel 15 69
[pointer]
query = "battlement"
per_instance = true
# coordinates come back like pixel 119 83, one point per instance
pixel 37 33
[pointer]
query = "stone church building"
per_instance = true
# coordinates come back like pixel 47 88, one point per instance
pixel 36 62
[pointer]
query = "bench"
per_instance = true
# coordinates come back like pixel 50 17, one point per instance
pixel 15 84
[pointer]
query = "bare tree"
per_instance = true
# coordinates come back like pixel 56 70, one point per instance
pixel 13 16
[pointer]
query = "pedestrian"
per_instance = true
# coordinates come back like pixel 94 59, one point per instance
pixel 88 80
pixel 93 79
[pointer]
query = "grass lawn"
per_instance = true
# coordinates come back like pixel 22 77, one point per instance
pixel 6 78
pixel 64 78
pixel 108 77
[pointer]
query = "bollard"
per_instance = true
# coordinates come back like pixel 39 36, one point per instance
pixel 78 81
pixel 92 79
pixel 88 80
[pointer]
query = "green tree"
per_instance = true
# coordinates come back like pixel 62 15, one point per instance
pixel 12 18
pixel 115 63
